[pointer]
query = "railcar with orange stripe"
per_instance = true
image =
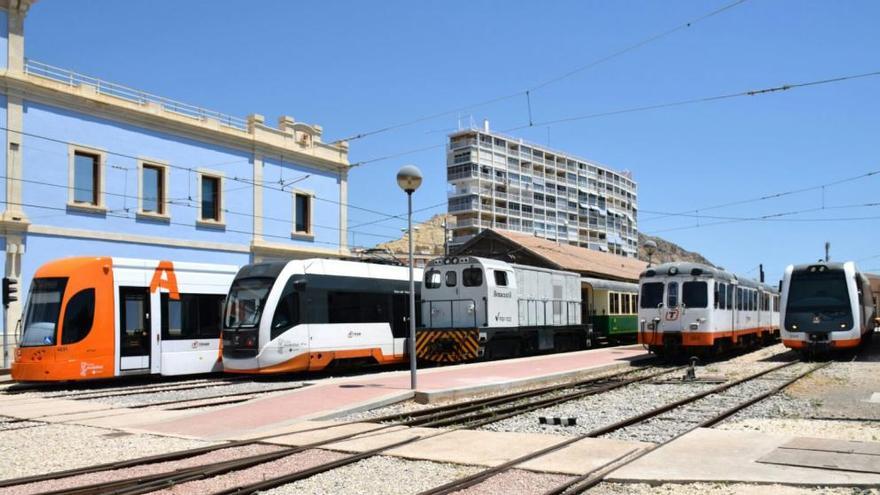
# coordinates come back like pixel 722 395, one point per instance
pixel 694 308
pixel 828 306
pixel 101 317
pixel 480 308
pixel 306 315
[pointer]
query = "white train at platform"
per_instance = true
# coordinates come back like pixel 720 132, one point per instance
pixel 698 309
pixel 306 315
pixel 828 306
pixel 479 308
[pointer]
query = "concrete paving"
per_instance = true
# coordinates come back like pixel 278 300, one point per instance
pixel 475 447
pixel 729 457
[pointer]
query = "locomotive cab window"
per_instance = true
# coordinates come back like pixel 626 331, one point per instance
pixel 78 317
pixel 500 278
pixel 451 278
pixel 652 295
pixel 432 279
pixel 42 311
pixel 472 277
pixel 695 294
pixel 672 294
pixel 721 296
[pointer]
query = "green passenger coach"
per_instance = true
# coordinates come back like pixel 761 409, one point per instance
pixel 612 308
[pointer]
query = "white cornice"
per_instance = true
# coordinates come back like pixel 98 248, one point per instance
pixel 259 139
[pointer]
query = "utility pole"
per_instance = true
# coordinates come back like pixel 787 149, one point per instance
pixel 827 251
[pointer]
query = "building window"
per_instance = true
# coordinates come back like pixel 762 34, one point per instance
pixel 210 198
pixel 302 213
pixel 153 189
pixel 86 178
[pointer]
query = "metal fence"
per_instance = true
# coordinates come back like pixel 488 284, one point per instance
pixel 73 79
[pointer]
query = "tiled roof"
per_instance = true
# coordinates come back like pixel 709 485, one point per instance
pixel 577 259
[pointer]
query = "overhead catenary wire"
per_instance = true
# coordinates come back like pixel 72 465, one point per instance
pixel 194 169
pixel 645 108
pixel 527 91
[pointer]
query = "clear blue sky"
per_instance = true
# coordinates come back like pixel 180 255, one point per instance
pixel 355 66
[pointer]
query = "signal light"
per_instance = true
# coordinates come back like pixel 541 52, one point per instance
pixel 10 289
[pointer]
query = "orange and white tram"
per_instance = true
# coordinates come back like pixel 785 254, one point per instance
pixel 828 306
pixel 101 317
pixel 698 308
pixel 306 315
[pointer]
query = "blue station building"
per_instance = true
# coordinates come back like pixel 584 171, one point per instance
pixel 93 168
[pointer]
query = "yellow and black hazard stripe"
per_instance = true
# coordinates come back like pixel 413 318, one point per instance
pixel 447 346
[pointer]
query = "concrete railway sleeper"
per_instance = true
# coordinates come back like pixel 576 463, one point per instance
pixel 484 475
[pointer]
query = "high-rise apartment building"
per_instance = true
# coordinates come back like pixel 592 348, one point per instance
pixel 501 182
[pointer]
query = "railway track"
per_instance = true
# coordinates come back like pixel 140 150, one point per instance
pixel 450 418
pixel 170 478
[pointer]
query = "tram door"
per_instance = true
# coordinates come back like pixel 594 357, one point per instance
pixel 135 329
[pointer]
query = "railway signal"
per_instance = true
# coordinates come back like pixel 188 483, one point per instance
pixel 10 289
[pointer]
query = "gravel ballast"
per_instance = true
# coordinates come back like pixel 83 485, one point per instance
pixel 381 475
pixel 137 471
pixel 261 472
pixel 722 489
pixel 57 447
pixel 516 481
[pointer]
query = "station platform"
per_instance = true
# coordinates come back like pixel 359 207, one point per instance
pixel 336 397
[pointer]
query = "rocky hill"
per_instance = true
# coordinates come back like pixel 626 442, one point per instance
pixel 668 251
pixel 429 241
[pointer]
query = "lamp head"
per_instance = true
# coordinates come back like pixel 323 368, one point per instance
pixel 409 178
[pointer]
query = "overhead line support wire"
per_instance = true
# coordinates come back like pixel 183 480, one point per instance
pixel 553 80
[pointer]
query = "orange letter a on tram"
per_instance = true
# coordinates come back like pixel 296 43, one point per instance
pixel 169 282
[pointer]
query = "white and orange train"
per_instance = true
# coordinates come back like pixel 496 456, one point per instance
pixel 306 315
pixel 828 306
pixel 695 308
pixel 102 317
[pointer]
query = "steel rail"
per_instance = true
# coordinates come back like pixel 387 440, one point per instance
pixel 440 412
pixel 477 478
pixel 484 417
pixel 594 477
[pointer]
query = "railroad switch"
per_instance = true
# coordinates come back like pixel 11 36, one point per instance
pixel 557 421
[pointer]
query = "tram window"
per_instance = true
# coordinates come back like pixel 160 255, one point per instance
pixel 192 316
pixel 730 292
pixel 451 278
pixel 472 277
pixel 358 307
pixel 652 295
pixel 287 313
pixel 695 294
pixel 721 296
pixel 625 299
pixel 78 317
pixel 672 294
pixel 613 303
pixel 432 279
pixel 500 278
pixel 739 298
pixel 754 300
pixel 42 311
pixel 635 303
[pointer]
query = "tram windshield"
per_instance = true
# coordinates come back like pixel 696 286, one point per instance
pixel 818 292
pixel 247 298
pixel 41 313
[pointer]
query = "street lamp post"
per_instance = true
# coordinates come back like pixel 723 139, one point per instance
pixel 650 247
pixel 409 178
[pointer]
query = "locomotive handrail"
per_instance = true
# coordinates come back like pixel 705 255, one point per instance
pixel 451 314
